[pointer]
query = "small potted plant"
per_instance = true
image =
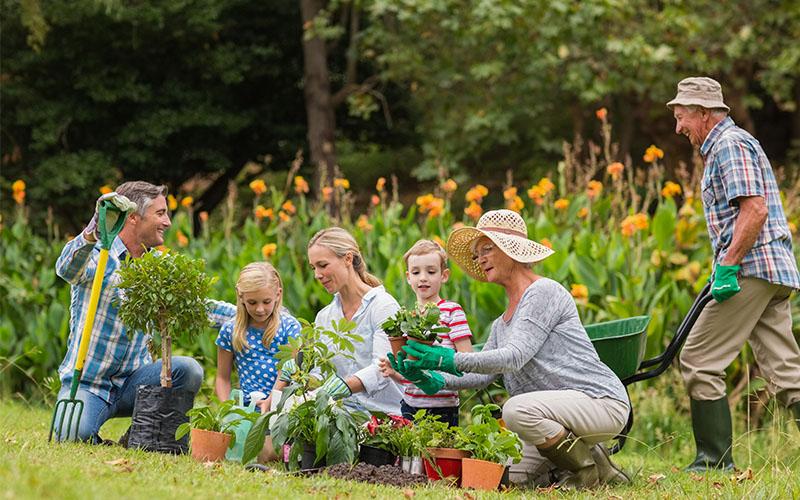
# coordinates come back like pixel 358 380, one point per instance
pixel 212 429
pixel 442 458
pixel 318 430
pixel 162 294
pixel 380 441
pixel 421 325
pixel 491 446
pixel 393 329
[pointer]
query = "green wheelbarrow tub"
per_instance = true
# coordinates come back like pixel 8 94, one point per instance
pixel 621 343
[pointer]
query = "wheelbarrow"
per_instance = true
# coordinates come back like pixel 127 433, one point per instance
pixel 621 345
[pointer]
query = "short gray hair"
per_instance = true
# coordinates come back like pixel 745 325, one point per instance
pixel 142 193
pixel 718 113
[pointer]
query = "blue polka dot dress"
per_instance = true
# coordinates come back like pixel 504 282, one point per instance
pixel 257 367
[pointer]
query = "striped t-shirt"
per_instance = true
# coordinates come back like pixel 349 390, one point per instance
pixel 451 315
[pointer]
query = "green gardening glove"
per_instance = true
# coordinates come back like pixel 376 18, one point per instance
pixel 336 387
pixel 429 382
pixel 432 357
pixel 725 284
pixel 287 370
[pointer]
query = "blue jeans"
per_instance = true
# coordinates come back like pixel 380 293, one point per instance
pixel 447 414
pixel 187 374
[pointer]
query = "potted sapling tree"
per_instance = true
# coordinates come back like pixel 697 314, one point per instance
pixel 213 429
pixel 163 295
pixel 491 446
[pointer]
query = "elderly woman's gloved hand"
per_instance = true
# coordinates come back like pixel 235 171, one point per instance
pixel 432 357
pixel 429 382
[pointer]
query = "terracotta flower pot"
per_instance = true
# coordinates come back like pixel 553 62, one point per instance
pixel 208 446
pixel 480 474
pixel 397 343
pixel 426 342
pixel 446 460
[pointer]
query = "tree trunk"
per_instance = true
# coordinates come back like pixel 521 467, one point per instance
pixel 317 90
pixel 166 357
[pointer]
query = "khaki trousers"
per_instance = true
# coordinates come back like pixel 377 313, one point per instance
pixel 542 415
pixel 759 314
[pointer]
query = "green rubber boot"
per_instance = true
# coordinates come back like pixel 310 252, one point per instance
pixel 572 454
pixel 713 435
pixel 795 407
pixel 607 471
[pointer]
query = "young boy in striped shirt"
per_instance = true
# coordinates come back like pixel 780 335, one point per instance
pixel 426 270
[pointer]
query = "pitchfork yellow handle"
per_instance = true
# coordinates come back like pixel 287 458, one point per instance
pixel 94 299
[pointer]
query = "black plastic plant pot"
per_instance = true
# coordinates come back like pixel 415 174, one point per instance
pixel 308 457
pixel 375 456
pixel 157 413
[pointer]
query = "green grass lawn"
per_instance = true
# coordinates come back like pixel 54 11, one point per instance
pixel 30 467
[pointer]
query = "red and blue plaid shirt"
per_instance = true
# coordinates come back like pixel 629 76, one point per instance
pixel 736 166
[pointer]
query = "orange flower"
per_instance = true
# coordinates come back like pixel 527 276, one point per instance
pixel 537 193
pixel 583 212
pixel 546 242
pixel 670 189
pixel 203 216
pixel 258 186
pixel 187 202
pixel 300 185
pixel 268 250
pixel 375 200
pixel 284 216
pixel 510 193
pixel 431 205
pixel 652 154
pixel 561 204
pixel 473 211
pixel 594 189
pixel 363 223
pixel 182 239
pixel 516 204
pixel 327 191
pixel 615 169
pixel 341 183
pixel 579 291
pixel 793 227
pixel 601 114
pixel 289 207
pixel 449 186
pixel 381 184
pixel 172 202
pixel 261 212
pixel 105 189
pixel 546 185
pixel 476 193
pixel 438 240
pixel 19 197
pixel 634 223
pixel 18 185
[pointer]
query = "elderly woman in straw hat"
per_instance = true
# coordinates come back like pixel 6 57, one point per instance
pixel 564 400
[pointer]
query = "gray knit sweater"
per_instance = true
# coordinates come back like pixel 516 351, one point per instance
pixel 544 347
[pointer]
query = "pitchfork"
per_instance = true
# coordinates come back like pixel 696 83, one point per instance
pixel 72 408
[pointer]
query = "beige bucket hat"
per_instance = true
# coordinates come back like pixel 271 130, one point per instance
pixel 507 230
pixel 699 91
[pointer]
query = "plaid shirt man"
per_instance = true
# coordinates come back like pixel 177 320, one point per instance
pixel 735 165
pixel 112 357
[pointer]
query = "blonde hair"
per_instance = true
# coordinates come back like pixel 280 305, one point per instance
pixel 340 242
pixel 254 277
pixel 426 247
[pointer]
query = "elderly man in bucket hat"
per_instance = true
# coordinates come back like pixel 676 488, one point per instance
pixel 754 271
pixel 564 400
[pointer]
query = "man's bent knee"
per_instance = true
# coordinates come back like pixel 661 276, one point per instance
pixel 187 374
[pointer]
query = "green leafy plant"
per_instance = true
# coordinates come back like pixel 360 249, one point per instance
pixel 390 433
pixel 215 418
pixel 164 294
pixel 316 420
pixel 431 432
pixel 415 323
pixel 487 440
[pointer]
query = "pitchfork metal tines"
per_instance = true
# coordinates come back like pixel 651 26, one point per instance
pixel 69 411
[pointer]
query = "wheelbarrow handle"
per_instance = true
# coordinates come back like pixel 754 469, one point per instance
pixel 664 360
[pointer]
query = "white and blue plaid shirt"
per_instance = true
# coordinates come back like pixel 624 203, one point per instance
pixel 736 166
pixel 112 357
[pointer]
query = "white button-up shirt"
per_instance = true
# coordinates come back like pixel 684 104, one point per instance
pixel 380 393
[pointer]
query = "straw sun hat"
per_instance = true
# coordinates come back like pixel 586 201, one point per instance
pixel 507 230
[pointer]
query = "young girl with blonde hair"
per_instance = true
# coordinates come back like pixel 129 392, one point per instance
pixel 251 340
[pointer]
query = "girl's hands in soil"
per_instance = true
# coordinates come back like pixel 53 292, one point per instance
pixel 264 404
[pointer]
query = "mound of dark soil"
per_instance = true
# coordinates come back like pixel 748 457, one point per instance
pixel 385 474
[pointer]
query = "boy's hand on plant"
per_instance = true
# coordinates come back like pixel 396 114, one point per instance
pixel 432 357
pixel 336 387
pixel 386 368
